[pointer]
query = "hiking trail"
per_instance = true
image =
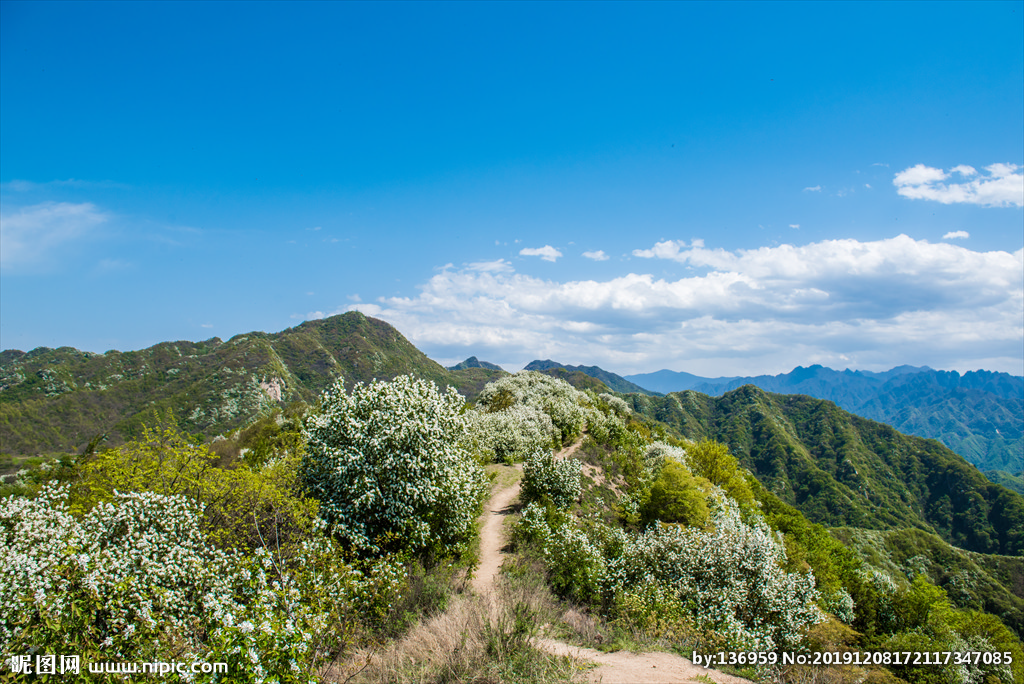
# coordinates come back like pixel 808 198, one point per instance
pixel 620 667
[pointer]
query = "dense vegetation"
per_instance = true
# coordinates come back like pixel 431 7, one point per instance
pixel 979 415
pixel 673 540
pixel 842 470
pixel 338 519
pixel 59 400
pixel 284 548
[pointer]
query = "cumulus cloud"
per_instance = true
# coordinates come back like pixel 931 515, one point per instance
pixel 599 255
pixel 547 252
pixel 1003 186
pixel 956 235
pixel 31 235
pixel 889 301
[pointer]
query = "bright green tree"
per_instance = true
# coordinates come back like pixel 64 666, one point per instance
pixel 712 460
pixel 677 497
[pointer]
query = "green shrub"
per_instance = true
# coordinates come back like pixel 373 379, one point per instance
pixel 545 478
pixel 712 460
pixel 676 496
pixel 389 469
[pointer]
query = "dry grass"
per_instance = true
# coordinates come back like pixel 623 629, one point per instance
pixel 503 475
pixel 481 639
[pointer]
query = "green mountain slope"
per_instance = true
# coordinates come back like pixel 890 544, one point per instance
pixel 473 362
pixel 979 415
pixel 57 400
pixel 843 470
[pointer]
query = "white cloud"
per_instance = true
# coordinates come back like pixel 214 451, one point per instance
pixel 547 252
pixel 1002 187
pixel 889 301
pixel 816 188
pixel 599 255
pixel 956 234
pixel 206 325
pixel 498 266
pixel 794 225
pixel 30 236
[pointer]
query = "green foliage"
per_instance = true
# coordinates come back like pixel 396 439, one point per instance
pixel 388 467
pixel 712 461
pixel 242 507
pixel 676 496
pixel 548 479
pixel 927 622
pixel 842 470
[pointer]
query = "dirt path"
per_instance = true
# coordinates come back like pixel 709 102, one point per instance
pixel 621 667
pixel 492 538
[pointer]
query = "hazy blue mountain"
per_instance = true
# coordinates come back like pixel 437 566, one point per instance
pixel 665 381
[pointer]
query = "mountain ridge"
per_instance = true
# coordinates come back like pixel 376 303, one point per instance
pixel 614 382
pixel 980 414
pixel 58 400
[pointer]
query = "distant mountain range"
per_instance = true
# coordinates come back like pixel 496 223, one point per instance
pixel 979 415
pixel 614 382
pixel 58 400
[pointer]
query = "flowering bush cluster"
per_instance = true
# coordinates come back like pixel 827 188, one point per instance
pixel 567 407
pixel 729 578
pixel 617 405
pixel 388 466
pixel 511 434
pixel 557 480
pixel 135 578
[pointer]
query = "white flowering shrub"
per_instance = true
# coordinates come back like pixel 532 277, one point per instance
pixel 561 401
pixel 839 602
pixel 545 477
pixel 576 566
pixel 511 434
pixel 389 467
pixel 568 416
pixel 729 576
pixel 532 526
pixel 618 405
pixel 656 455
pixel 134 579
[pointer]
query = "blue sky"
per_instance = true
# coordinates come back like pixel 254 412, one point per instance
pixel 720 188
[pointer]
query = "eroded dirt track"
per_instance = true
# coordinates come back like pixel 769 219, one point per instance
pixel 620 667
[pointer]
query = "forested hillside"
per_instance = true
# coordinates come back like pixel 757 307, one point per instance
pixel 58 400
pixel 979 415
pixel 843 470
